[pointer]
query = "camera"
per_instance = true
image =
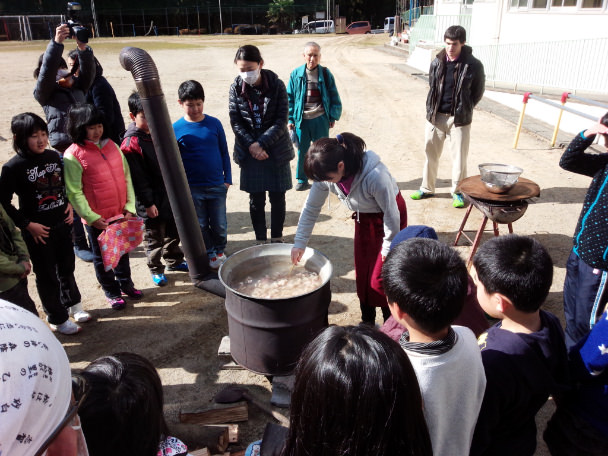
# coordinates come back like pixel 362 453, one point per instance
pixel 77 30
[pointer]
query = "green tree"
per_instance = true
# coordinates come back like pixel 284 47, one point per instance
pixel 281 13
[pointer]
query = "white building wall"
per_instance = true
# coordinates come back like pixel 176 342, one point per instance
pixel 495 22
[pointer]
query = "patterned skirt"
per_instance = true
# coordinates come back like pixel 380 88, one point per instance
pixel 265 176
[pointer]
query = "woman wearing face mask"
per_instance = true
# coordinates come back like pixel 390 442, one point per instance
pixel 56 90
pixel 258 116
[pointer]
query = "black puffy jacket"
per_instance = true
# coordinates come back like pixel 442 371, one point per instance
pixel 56 100
pixel 470 85
pixel 273 136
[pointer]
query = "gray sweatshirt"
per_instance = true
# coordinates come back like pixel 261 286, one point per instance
pixel 373 190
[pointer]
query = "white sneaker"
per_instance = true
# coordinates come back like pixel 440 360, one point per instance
pixel 67 327
pixel 79 314
pixel 217 261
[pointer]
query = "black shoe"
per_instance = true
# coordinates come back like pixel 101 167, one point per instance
pixel 84 254
pixel 302 186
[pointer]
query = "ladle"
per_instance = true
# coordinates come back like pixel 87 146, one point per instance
pixel 235 393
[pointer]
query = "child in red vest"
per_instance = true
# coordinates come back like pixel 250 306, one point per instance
pixel 99 187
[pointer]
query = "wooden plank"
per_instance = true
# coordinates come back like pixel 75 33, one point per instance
pixel 233 431
pixel 224 348
pixel 201 452
pixel 219 413
pixel 230 364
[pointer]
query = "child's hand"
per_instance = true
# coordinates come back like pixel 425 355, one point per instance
pixel 152 211
pixel 296 255
pixel 100 224
pixel 596 129
pixel 39 232
pixel 69 211
pixel 28 269
pixel 128 215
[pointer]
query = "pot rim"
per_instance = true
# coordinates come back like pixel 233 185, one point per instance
pixel 308 253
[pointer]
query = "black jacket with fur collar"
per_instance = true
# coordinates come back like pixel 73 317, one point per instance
pixel 470 85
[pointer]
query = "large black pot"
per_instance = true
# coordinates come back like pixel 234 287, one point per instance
pixel 268 335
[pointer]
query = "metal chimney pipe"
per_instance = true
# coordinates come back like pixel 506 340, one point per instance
pixel 147 81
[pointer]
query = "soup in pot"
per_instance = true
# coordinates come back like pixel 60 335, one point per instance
pixel 279 284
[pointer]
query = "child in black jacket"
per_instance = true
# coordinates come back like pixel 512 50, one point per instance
pixel 160 236
pixel 585 293
pixel 45 217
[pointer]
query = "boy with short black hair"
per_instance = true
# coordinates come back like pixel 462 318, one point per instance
pixel 204 150
pixel 524 355
pixel 426 282
pixel 161 236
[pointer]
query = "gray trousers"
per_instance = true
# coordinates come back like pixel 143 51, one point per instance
pixel 458 144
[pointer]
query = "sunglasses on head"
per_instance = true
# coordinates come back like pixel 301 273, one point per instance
pixel 80 389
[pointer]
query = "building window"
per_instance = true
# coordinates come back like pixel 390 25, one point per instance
pixel 540 4
pixel 562 3
pixel 591 3
pixel 519 3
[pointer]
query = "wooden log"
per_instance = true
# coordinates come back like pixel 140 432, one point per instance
pixel 233 431
pixel 214 438
pixel 218 413
pixel 201 452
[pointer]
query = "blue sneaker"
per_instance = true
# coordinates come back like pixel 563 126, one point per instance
pixel 159 279
pixel 182 267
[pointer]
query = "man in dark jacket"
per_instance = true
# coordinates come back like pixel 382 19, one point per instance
pixel 56 92
pixel 457 82
pixel 585 287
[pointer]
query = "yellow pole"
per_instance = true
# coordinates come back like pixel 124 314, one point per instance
pixel 559 118
pixel 521 119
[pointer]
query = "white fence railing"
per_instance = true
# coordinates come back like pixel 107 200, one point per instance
pixel 430 28
pixel 578 66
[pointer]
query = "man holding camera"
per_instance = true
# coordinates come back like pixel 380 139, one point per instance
pixel 56 90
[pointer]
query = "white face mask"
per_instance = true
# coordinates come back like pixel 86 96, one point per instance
pixel 250 77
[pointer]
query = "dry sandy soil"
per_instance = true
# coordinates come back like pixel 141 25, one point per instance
pixel 179 327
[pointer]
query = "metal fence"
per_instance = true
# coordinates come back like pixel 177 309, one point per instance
pixel 430 28
pixel 30 27
pixel 578 66
pixel 411 16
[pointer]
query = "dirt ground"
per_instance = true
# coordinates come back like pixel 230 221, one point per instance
pixel 179 327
